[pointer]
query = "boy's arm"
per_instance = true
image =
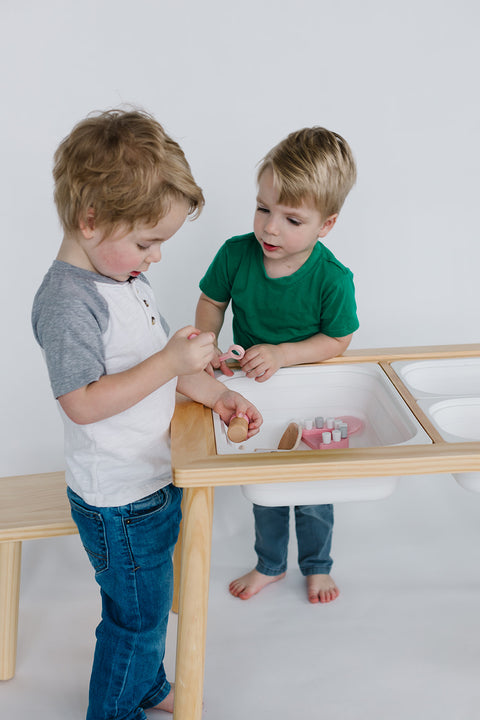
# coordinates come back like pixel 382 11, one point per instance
pixel 203 388
pixel 210 314
pixel 112 394
pixel 262 361
pixel 209 317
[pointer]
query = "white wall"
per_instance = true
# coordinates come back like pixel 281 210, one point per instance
pixel 229 80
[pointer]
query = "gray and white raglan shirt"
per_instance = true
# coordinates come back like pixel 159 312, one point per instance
pixel 89 325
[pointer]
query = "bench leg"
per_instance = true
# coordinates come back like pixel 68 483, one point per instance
pixel 192 614
pixel 10 561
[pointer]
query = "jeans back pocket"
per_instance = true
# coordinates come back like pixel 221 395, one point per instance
pixel 92 534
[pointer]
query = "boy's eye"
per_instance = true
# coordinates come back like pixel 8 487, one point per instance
pixel 294 221
pixel 262 209
pixel 142 247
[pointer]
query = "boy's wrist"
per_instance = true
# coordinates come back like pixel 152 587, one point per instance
pixel 217 397
pixel 166 365
pixel 201 387
pixel 285 354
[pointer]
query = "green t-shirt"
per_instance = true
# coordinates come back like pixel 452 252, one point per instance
pixel 318 297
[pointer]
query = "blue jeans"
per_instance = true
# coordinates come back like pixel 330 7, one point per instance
pixel 314 527
pixel 130 548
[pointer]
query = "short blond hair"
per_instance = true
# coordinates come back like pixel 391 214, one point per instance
pixel 122 165
pixel 312 164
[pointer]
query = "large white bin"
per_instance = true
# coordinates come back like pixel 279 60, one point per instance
pixel 362 390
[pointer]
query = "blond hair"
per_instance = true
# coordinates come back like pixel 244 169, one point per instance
pixel 312 164
pixel 122 165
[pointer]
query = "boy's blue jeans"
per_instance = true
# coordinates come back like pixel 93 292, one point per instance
pixel 314 527
pixel 130 548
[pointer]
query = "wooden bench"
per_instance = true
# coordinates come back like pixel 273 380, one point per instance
pixel 31 507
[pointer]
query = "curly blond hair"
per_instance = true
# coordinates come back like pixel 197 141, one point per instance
pixel 122 165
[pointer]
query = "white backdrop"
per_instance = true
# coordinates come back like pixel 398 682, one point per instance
pixel 229 80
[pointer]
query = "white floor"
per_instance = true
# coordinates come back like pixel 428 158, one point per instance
pixel 402 640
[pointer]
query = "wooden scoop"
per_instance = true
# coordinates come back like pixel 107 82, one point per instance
pixel 290 439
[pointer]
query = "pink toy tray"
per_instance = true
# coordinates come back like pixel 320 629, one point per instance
pixel 313 438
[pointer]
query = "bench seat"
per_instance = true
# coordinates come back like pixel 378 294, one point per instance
pixel 31 507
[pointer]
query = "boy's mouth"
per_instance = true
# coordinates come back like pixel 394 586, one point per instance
pixel 268 247
pixel 135 273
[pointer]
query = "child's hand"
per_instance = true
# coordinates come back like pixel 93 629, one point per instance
pixel 216 364
pixel 190 351
pixel 231 403
pixel 222 364
pixel 261 361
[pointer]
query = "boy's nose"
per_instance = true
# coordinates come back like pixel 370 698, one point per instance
pixel 155 254
pixel 271 227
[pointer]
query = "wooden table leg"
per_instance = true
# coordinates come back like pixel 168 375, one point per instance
pixel 193 605
pixel 10 562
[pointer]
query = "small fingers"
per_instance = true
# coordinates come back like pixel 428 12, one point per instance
pixel 255 366
pixel 264 376
pixel 258 371
pixel 250 360
pixel 225 369
pixel 210 370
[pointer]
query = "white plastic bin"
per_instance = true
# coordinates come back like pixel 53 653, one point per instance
pixel 448 391
pixel 362 390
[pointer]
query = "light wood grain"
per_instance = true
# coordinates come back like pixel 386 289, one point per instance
pixel 34 506
pixel 305 465
pixel 419 352
pixel 31 506
pixel 194 422
pixel 408 398
pixel 193 603
pixel 10 561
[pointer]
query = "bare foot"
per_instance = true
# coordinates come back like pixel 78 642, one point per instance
pixel 321 588
pixel 251 583
pixel 167 703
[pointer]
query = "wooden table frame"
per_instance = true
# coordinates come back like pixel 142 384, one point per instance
pixel 198 469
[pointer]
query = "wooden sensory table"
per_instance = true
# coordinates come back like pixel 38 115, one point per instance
pixel 198 469
pixel 36 506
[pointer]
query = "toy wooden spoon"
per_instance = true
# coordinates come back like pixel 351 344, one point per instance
pixel 290 439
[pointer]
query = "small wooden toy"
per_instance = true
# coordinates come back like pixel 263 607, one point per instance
pixel 238 428
pixel 290 439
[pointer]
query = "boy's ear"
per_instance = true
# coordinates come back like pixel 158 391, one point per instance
pixel 327 225
pixel 87 226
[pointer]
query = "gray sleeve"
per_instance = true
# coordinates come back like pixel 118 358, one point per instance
pixel 165 325
pixel 68 323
